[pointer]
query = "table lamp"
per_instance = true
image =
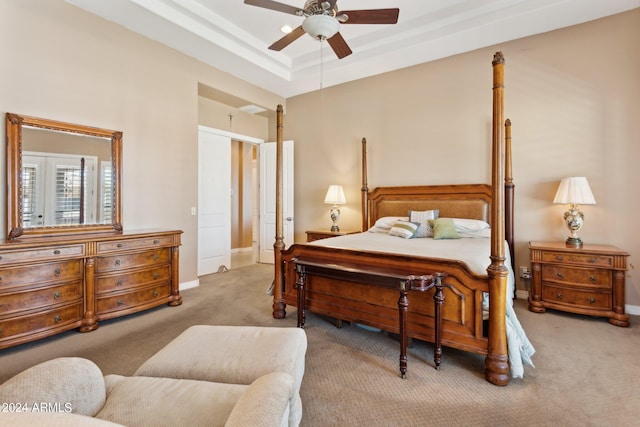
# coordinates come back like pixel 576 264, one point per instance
pixel 574 191
pixel 335 197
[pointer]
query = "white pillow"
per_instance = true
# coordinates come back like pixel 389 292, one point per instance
pixel 422 217
pixel 463 224
pixel 404 229
pixel 384 224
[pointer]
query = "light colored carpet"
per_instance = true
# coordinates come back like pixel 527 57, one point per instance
pixel 587 371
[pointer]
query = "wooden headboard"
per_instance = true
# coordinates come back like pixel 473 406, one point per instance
pixel 453 201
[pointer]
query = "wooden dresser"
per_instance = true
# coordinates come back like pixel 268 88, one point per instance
pixel 47 286
pixel 587 280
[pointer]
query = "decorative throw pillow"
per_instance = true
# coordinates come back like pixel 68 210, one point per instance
pixel 404 229
pixel 384 224
pixel 422 218
pixel 443 228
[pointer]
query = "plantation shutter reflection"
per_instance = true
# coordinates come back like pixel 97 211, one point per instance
pixel 69 181
pixel 29 194
pixel 107 192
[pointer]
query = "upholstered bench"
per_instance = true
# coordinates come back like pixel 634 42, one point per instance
pixel 233 354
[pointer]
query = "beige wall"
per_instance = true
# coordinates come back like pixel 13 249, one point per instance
pixel 573 96
pixel 61 63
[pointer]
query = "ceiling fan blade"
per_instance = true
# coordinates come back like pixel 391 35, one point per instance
pixel 288 39
pixel 274 5
pixel 373 16
pixel 339 46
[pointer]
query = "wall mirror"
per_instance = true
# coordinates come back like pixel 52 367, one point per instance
pixel 62 178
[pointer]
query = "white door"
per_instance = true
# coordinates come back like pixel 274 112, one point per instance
pixel 268 198
pixel 214 201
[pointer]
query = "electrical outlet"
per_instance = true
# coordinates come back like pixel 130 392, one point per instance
pixel 524 272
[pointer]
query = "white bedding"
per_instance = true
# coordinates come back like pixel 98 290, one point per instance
pixel 473 251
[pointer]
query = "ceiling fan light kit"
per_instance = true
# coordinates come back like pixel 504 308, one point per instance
pixel 321 27
pixel 322 21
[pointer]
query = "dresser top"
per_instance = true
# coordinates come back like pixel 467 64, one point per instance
pixel 585 248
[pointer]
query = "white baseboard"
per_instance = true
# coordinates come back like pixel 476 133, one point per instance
pixel 633 310
pixel 236 250
pixel 189 285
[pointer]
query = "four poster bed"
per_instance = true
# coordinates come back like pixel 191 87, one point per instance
pixel 478 277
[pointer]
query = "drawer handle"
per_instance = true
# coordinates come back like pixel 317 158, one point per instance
pixel 155 293
pixel 155 276
pixel 119 282
pixel 560 275
pixel 559 296
pixel 57 319
pixel 155 242
pixel 592 260
pixel 56 295
pixel 155 257
pixel 592 278
pixel 56 272
pixel 592 300
pixel 120 302
pixel 0 257
pixel 118 262
pixel 56 252
pixel 120 245
pixel 559 257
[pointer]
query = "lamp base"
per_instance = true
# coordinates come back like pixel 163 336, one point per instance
pixel 573 242
pixel 335 228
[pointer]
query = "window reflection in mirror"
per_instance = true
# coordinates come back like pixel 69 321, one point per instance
pixel 66 178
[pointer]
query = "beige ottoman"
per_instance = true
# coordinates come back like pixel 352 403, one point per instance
pixel 234 355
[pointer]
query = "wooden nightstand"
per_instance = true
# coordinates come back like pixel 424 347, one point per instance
pixel 323 234
pixel 588 280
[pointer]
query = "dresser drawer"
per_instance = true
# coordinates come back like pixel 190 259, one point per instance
pixel 38 322
pixel 40 254
pixel 40 297
pixel 136 260
pixel 586 260
pixel 11 278
pixel 131 280
pixel 561 295
pixel 584 277
pixel 141 243
pixel 132 299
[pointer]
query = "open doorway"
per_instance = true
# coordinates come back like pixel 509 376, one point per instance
pixel 244 203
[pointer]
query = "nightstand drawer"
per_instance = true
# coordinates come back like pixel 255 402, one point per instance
pixel 561 295
pixel 581 276
pixel 581 259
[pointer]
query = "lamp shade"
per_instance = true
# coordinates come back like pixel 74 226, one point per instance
pixel 335 195
pixel 574 190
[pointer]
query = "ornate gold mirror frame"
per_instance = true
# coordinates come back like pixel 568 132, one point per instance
pixel 16 230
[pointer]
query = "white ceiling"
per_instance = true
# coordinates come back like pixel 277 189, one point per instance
pixel 233 37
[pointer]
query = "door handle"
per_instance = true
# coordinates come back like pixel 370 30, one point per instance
pixel 289 218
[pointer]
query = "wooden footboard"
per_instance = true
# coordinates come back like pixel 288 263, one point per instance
pixel 341 297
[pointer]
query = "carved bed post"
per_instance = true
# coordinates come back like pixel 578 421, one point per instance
pixel 497 360
pixel 509 188
pixel 278 278
pixel 365 188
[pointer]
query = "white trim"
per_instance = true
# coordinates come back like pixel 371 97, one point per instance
pixel 522 294
pixel 235 136
pixel 189 285
pixel 237 250
pixel 632 309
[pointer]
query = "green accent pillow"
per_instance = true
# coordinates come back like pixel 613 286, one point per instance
pixel 443 228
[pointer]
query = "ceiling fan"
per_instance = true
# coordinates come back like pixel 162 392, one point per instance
pixel 322 21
